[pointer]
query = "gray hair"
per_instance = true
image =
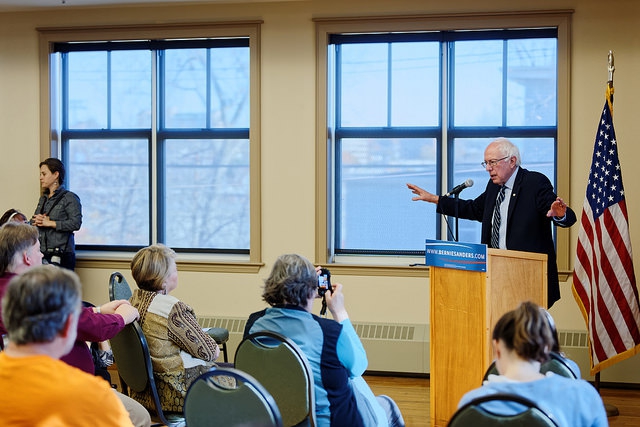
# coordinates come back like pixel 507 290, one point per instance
pixel 15 237
pixel 38 303
pixel 508 149
pixel 293 280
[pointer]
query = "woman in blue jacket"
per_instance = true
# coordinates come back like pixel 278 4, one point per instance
pixel 334 351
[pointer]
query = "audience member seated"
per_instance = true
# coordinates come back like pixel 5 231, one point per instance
pixel 333 349
pixel 522 340
pixel 12 215
pixel 20 252
pixel 180 350
pixel 41 308
pixel 98 324
pixel 101 353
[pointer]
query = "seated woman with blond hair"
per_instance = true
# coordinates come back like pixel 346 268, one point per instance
pixel 180 349
pixel 522 340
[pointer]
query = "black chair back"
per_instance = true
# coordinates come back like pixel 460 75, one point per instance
pixel 118 287
pixel 556 364
pixel 283 369
pixel 211 402
pixel 132 357
pixel 476 414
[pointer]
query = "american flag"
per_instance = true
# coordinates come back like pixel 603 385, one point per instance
pixel 604 283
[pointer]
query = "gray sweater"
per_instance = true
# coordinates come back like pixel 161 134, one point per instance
pixel 65 209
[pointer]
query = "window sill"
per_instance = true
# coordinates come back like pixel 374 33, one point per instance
pixel 195 262
pixel 378 266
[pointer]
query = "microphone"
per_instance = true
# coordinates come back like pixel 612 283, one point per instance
pixel 459 188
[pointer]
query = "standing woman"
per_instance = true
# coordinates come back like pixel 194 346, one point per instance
pixel 57 216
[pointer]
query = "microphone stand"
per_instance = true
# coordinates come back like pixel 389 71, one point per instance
pixel 456 215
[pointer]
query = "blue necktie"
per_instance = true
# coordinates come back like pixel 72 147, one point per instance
pixel 495 229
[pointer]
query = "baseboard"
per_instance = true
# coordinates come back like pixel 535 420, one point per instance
pixel 396 374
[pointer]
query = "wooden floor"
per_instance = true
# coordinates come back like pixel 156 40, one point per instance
pixel 412 396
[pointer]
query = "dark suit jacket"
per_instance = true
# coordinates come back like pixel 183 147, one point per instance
pixel 528 227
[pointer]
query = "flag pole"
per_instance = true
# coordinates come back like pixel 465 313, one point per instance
pixel 611 410
pixel 611 69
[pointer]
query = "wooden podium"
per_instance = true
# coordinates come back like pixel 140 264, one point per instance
pixel 465 306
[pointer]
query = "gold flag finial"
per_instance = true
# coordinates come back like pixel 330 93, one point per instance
pixel 609 91
pixel 611 66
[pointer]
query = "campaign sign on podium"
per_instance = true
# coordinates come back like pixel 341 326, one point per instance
pixel 461 256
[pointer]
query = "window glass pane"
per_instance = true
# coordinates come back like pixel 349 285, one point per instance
pixel 131 89
pixel 532 88
pixel 230 88
pixel 185 87
pixel 207 194
pixel 537 154
pixel 415 84
pixel 111 177
pixel 478 67
pixel 87 94
pixel 376 210
pixel 364 84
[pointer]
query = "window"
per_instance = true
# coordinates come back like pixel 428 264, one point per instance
pixel 408 104
pixel 156 136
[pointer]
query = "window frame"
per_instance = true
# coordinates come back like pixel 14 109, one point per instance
pixel 51 142
pixel 326 27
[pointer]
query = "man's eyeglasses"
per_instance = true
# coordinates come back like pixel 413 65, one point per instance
pixel 492 163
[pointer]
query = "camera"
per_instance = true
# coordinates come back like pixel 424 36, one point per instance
pixel 54 256
pixel 324 281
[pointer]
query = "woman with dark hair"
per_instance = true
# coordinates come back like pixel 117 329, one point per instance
pixel 12 215
pixel 57 216
pixel 522 340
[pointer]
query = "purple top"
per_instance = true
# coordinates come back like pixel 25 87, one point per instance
pixel 4 282
pixel 92 327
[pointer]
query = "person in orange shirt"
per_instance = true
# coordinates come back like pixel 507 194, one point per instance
pixel 41 308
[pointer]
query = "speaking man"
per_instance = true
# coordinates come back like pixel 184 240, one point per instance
pixel 516 208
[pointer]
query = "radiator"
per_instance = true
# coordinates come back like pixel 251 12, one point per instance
pixel 390 347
